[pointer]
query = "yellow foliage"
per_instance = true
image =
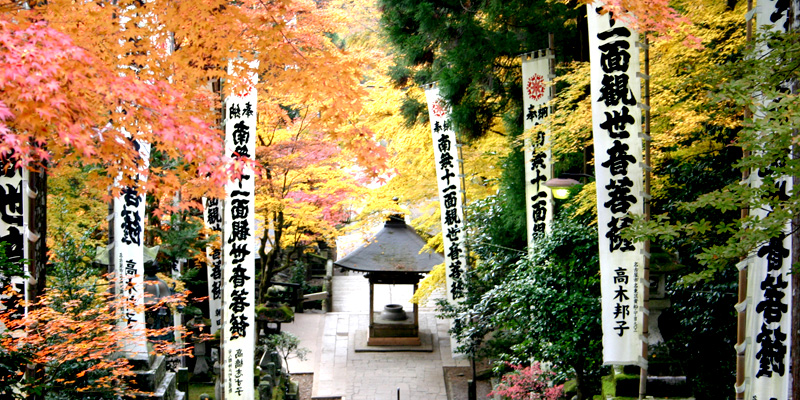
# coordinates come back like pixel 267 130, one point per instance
pixel 571 122
pixel 585 202
pixel 434 280
pixel 74 206
pixel 681 109
pixel 412 177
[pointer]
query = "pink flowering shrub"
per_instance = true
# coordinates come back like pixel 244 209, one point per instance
pixel 528 383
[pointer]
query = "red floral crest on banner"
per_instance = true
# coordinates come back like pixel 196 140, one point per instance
pixel 535 87
pixel 439 107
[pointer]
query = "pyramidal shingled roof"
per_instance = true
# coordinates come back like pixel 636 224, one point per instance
pixel 394 249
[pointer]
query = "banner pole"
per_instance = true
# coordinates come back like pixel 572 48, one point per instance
pixel 741 320
pixel 647 169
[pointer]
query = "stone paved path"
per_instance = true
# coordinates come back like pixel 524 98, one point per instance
pixel 339 370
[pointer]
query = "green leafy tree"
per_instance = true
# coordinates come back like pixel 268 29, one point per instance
pixel 287 345
pixel 544 306
pixel 766 143
pixel 472 50
pixel 703 222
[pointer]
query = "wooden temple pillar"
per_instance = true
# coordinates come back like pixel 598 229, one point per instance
pixel 416 308
pixel 371 305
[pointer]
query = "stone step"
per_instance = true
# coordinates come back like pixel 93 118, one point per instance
pixel 166 390
pixel 148 380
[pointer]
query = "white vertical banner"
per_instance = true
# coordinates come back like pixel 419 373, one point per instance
pixel 769 288
pixel 536 96
pixel 238 245
pixel 448 176
pixel 128 255
pixel 212 215
pixel 12 221
pixel 616 126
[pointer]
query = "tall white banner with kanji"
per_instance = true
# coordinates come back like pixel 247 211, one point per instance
pixel 448 176
pixel 239 246
pixel 536 96
pixel 769 283
pixel 128 254
pixel 616 126
pixel 212 215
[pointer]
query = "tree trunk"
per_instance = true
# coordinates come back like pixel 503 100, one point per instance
pixel 269 262
pixel 580 381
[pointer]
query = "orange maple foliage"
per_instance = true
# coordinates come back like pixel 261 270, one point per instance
pixel 78 76
pixel 650 16
pixel 74 340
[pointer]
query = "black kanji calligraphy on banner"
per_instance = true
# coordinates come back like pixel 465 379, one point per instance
pixel 773 306
pixel 621 311
pixel 621 276
pixel 772 354
pixel 454 252
pixel 238 300
pixel 216 271
pixel 619 190
pixel 616 91
pixel 238 325
pixel 11 204
pixel 781 13
pixel 448 170
pixel 239 276
pixel 621 327
pixel 451 217
pixel 216 290
pixel 450 199
pixel 241 133
pixel 543 112
pixel 768 312
pixel 619 159
pixel 446 161
pixel 240 208
pixel 538 162
pixel 247 111
pixel 444 143
pixel 537 95
pixel 131 197
pixel 774 252
pixel 452 233
pixel 213 219
pixel 131 227
pixel 240 230
pixel 616 123
pixel 538 179
pixel 234 111
pixel 239 252
pixel 621 294
pixel 238 244
pixel 615 56
pixel 447 176
pixel 616 129
pixel 621 32
pixel 532 115
pixel 539 210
